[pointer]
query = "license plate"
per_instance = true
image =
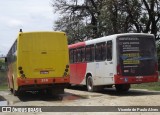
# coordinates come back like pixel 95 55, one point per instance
pixel 44 72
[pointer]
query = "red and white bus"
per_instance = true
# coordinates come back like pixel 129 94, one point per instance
pixel 120 60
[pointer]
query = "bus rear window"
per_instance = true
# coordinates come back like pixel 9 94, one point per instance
pixel 137 55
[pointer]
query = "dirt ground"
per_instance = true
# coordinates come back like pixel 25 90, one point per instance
pixel 80 97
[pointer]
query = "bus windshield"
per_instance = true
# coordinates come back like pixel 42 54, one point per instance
pixel 136 55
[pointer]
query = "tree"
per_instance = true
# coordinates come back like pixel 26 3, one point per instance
pixel 96 18
pixel 158 55
pixel 80 15
pixel 146 18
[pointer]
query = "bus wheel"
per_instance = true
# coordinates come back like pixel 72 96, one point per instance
pixel 11 89
pixel 122 87
pixel 90 86
pixel 15 92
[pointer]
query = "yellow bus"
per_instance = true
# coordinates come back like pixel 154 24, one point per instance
pixel 38 61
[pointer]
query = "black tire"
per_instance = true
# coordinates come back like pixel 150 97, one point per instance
pixel 15 92
pixel 90 85
pixel 11 89
pixel 122 87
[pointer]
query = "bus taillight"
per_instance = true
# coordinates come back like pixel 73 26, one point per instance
pixel 119 71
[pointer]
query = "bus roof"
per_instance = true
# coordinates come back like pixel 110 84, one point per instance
pixel 42 32
pixel 110 37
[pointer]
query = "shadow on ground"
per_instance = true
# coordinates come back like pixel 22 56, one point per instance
pixel 2 98
pixel 113 92
pixel 36 96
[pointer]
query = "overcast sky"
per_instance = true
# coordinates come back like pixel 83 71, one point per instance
pixel 30 15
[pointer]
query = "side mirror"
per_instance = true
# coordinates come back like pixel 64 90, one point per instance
pixel 5 59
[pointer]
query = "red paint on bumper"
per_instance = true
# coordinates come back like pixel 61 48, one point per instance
pixel 39 81
pixel 135 79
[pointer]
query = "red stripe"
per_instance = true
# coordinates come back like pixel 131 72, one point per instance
pixel 135 79
pixel 32 81
pixel 80 44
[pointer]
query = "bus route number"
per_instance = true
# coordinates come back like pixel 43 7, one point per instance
pixel 44 80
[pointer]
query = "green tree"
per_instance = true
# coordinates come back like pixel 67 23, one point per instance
pixel 158 55
pixel 95 18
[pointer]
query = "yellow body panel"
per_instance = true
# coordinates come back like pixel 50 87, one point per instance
pixel 42 54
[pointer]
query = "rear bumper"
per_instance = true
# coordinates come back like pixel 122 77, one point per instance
pixel 42 87
pixel 135 79
pixel 42 81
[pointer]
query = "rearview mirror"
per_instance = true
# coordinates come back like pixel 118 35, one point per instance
pixel 5 59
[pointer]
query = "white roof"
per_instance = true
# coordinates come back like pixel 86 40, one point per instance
pixel 111 37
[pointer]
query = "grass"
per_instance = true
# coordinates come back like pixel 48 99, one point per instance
pixel 3 87
pixel 3 81
pixel 150 86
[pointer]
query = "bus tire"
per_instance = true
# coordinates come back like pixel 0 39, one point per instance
pixel 15 93
pixel 89 83
pixel 122 87
pixel 11 89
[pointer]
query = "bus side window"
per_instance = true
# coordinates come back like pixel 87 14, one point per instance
pixel 92 52
pixel 100 51
pixel 109 50
pixel 71 55
pixel 79 55
pixel 88 54
pixel 74 56
pixel 104 51
pixel 83 54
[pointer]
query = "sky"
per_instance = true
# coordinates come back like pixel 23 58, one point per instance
pixel 30 15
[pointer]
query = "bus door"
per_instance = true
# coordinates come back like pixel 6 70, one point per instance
pixel 80 65
pixel 104 63
pixel 108 64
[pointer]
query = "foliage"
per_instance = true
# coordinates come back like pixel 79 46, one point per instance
pixel 3 78
pixel 2 64
pixel 158 55
pixel 87 19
